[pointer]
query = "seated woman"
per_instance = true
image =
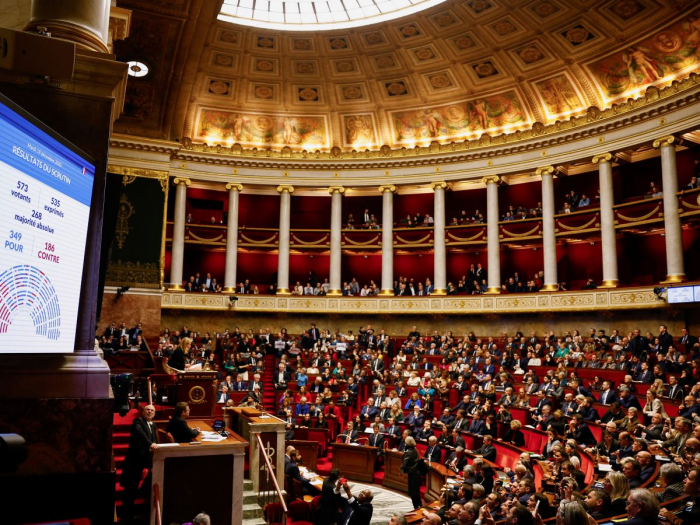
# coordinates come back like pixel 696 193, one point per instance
pixel 414 400
pixel 514 436
pixel 551 443
pixel 396 413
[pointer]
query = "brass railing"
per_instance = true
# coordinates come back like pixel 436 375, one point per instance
pixel 267 497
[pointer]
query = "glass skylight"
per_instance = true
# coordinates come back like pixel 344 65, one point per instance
pixel 315 15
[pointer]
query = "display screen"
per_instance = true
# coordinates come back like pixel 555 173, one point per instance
pixel 45 191
pixel 683 294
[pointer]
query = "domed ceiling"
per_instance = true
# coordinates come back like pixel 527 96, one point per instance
pixel 452 72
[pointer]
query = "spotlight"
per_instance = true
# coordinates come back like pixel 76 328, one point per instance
pixel 121 387
pixel 121 291
pixel 660 293
pixel 232 299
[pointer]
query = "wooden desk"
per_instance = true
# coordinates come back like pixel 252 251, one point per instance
pixel 308 451
pixel 354 461
pixel 393 478
pixel 435 479
pixel 178 469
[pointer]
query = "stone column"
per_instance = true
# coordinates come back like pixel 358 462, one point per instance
pixel 493 235
pixel 178 254
pixel 336 234
pixel 675 269
pixel 85 22
pixel 283 247
pixel 439 253
pixel 232 237
pixel 387 239
pixel 549 239
pixel 607 221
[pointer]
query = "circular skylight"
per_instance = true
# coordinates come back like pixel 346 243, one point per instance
pixel 314 15
pixel 137 69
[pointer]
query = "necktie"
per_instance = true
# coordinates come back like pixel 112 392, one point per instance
pixel 348 439
pixel 605 396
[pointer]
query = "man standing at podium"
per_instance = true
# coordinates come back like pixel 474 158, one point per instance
pixel 142 442
pixel 178 427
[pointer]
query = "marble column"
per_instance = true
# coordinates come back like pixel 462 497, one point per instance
pixel 336 234
pixel 493 250
pixel 84 22
pixel 178 253
pixel 387 239
pixel 675 269
pixel 607 221
pixel 439 249
pixel 234 191
pixel 283 247
pixel 549 239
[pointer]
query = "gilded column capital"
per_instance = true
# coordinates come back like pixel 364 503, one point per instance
pixel 182 180
pixel 234 186
pixel 336 189
pixel 545 170
pixel 491 179
pixel 285 189
pixel 438 184
pixel 387 188
pixel 668 140
pixel 601 158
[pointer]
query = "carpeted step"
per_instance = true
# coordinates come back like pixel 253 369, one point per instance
pixel 252 510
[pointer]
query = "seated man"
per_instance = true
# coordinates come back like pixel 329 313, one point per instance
pixel 457 460
pixel 351 434
pixel 291 469
pixel 178 427
pixel 487 450
pixel 369 410
pixel 433 453
pixel 377 440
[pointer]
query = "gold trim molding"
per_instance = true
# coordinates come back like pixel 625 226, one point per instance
pixel 438 184
pixel 182 180
pixel 285 189
pixel 584 300
pixel 666 141
pixel 336 189
pixel 387 188
pixel 234 186
pixel 130 174
pixel 493 179
pixel 544 170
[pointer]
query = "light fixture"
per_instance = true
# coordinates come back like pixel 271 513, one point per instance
pixel 137 69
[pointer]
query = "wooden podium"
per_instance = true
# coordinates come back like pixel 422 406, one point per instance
pixel 356 462
pixel 199 390
pixel 393 478
pixel 200 477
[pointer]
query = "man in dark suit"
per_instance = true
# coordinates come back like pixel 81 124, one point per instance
pixel 350 435
pixel 675 391
pixel 240 385
pixel 281 377
pixel 457 460
pixel 178 427
pixel 134 332
pixel 392 429
pixel 580 432
pixel 687 340
pixel 143 440
pixel 369 410
pixel 646 375
pixel 291 469
pixel 415 419
pixel 608 395
pixel 327 511
pixel 111 330
pixel 433 453
pixel 487 450
pixel 377 440
pixel 357 511
pixel 478 426
pixel 377 365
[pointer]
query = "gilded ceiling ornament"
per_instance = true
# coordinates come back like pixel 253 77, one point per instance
pixel 126 210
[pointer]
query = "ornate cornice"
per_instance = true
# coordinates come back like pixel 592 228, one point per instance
pixel 601 158
pixel 143 144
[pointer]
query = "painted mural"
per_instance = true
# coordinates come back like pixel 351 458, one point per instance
pixel 359 130
pixel 263 129
pixel 559 96
pixel 673 50
pixel 457 120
